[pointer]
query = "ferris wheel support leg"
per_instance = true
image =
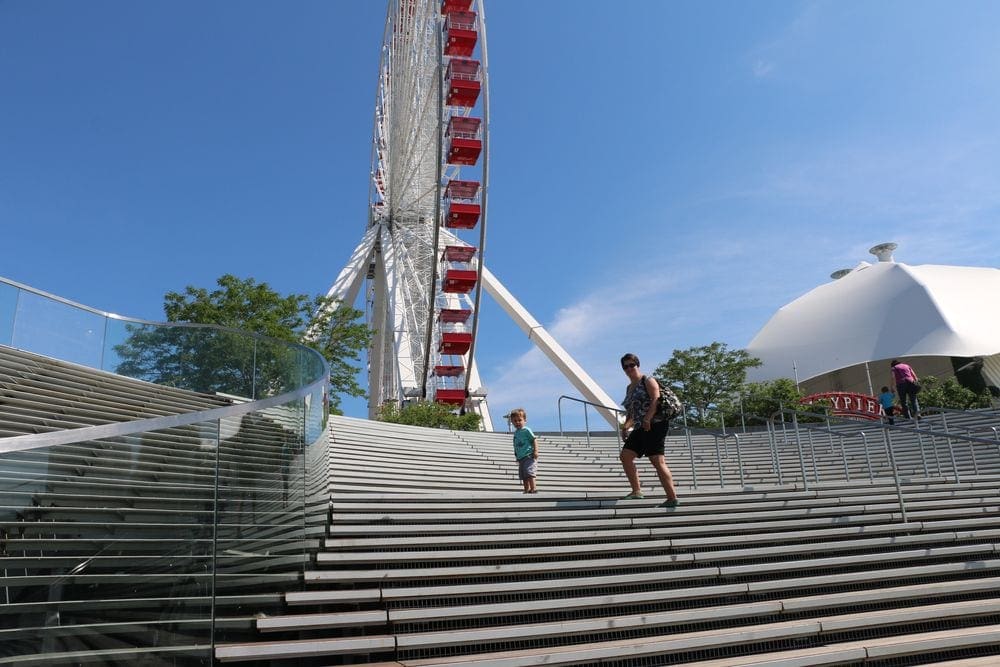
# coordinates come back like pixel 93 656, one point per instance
pixel 544 341
pixel 379 376
pixel 477 399
pixel 348 283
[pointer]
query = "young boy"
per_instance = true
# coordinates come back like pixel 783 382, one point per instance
pixel 887 398
pixel 525 450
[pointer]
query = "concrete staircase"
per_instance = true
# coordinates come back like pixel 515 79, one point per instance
pixel 416 547
pixel 434 557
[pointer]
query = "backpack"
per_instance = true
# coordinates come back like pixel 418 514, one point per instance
pixel 668 406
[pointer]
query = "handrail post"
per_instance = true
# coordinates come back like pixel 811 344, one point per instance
pixel 775 459
pixel 843 454
pixel 798 442
pixel 829 432
pixel 868 457
pixel 743 418
pixel 559 410
pixel 895 473
pixel 718 458
pixel 687 433
pixel 812 456
pixel 951 449
pixel 934 451
pixel 923 454
pixel 586 416
pixel 739 459
pixel 972 452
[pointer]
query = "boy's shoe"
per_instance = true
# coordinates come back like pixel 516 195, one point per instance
pixel 670 503
pixel 633 496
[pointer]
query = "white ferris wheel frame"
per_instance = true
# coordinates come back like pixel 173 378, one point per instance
pixel 398 254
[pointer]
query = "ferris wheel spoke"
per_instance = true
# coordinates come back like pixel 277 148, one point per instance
pixel 421 150
pixel 398 302
pixel 411 275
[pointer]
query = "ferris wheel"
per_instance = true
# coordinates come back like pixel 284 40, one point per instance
pixel 422 250
pixel 430 113
pixel 421 256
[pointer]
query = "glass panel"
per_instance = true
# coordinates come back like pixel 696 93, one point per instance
pixel 8 308
pixel 262 540
pixel 137 540
pixel 109 543
pixel 116 333
pixel 315 405
pixel 58 330
pixel 201 359
pixel 279 368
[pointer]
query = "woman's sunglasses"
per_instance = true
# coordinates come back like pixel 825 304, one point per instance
pixel 625 367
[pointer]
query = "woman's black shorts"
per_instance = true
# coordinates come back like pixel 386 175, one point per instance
pixel 648 443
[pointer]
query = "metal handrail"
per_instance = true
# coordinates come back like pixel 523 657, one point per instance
pixel 586 421
pixel 684 427
pixel 886 430
pixel 837 427
pixel 718 455
pixel 18 443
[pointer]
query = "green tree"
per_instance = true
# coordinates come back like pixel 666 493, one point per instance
pixel 760 400
pixel 950 394
pixel 209 360
pixel 706 376
pixel 428 413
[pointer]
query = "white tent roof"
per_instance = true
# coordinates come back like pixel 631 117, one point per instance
pixel 878 312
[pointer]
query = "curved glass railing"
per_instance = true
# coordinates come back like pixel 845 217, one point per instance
pixel 149 519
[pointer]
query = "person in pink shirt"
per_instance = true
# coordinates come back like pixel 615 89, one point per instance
pixel 906 388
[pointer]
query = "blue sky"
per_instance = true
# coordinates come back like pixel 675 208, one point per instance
pixel 661 177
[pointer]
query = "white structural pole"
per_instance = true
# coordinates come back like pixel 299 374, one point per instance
pixel 345 289
pixel 477 396
pixel 348 283
pixel 544 341
pixel 381 376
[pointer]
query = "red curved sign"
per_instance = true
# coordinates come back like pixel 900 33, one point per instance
pixel 848 404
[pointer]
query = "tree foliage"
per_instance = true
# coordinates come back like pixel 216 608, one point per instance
pixel 705 377
pixel 757 401
pixel 212 360
pixel 430 414
pixel 950 394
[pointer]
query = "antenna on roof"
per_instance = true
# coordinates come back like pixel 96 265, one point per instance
pixel 883 251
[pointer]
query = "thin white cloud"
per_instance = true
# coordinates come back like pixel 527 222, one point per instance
pixel 769 58
pixel 937 194
pixel 762 68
